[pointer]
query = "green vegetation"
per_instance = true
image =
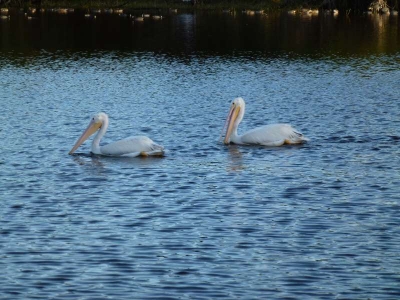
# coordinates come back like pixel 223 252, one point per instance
pixel 266 5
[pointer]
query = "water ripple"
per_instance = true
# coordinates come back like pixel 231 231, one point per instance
pixel 206 221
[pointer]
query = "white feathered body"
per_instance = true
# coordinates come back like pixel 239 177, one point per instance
pixel 130 146
pixel 270 135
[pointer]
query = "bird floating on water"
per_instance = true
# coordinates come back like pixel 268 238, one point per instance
pixel 268 135
pixel 130 147
pixel 139 19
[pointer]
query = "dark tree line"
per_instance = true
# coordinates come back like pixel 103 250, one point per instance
pixel 348 5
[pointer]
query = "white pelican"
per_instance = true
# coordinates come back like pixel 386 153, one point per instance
pixel 268 135
pixel 139 19
pixel 131 146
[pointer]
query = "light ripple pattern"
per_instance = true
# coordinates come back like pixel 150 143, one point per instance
pixel 207 221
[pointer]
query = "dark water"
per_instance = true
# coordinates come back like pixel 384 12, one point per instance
pixel 208 221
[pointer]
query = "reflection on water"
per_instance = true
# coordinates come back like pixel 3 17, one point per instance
pixel 94 163
pixel 100 164
pixel 207 221
pixel 235 158
pixel 386 30
pixel 187 33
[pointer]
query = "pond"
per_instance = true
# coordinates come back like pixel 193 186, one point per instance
pixel 208 220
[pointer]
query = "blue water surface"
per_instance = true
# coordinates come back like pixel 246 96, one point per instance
pixel 207 221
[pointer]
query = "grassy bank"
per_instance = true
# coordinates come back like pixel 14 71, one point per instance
pixel 266 5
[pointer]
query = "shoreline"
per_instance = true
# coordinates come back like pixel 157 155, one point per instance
pixel 267 6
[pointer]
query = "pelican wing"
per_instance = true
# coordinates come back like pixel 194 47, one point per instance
pixel 134 145
pixel 273 135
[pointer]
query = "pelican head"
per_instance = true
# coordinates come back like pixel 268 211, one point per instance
pixel 95 124
pixel 235 116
